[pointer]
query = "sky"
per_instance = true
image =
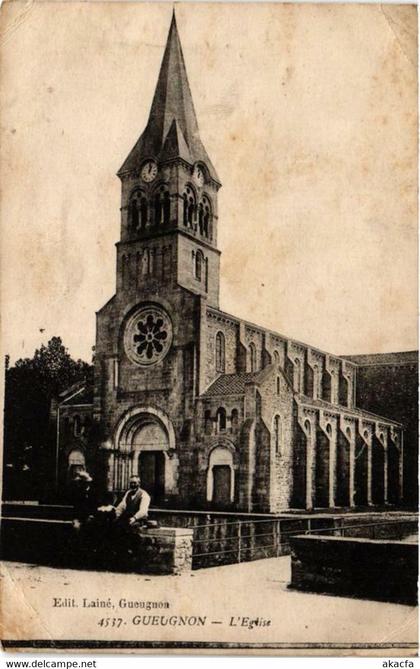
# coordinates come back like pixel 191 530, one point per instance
pixel 309 115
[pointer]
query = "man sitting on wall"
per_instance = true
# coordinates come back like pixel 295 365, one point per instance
pixel 134 506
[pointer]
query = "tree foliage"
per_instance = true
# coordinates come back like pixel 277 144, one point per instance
pixel 30 386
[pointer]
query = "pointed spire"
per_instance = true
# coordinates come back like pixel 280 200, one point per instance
pixel 172 101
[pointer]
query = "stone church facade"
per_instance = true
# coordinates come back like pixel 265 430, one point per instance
pixel 212 411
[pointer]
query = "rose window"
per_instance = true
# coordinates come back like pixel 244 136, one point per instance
pixel 148 336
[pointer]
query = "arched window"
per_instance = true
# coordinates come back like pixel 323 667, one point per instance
pixel 76 426
pixel 234 420
pixel 276 358
pixel 158 209
pixel 144 207
pixel 206 220
pixel 348 433
pixel 278 385
pixel 166 208
pixel 252 357
pixel 328 430
pixel 204 216
pixel 201 218
pixel 221 419
pixel 298 376
pixel 308 427
pixel 220 352
pixel 191 209
pixel 277 434
pixel 134 215
pixel 199 261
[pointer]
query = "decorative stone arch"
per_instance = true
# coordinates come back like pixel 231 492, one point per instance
pixel 189 199
pixel 221 455
pixel 139 430
pixel 160 202
pixel 129 416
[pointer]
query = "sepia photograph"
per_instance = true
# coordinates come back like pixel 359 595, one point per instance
pixel 209 328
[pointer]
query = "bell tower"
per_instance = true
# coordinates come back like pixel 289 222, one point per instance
pixel 169 194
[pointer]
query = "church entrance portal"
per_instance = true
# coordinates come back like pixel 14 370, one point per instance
pixel 152 473
pixel 221 485
pixel 145 446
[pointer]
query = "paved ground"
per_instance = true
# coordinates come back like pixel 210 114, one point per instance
pixel 224 597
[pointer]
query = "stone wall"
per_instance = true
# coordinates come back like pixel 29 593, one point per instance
pixel 163 550
pixel 388 385
pixel 371 569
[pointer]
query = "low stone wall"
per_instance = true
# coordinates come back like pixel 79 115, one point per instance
pixel 370 569
pixel 227 538
pixel 163 550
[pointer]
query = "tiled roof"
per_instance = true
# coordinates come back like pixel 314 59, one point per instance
pixel 231 384
pixel 360 413
pixel 403 357
pixel 85 396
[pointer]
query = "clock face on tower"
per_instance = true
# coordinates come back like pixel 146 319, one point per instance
pixel 149 171
pixel 148 335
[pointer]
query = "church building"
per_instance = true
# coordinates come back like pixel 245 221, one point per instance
pixel 213 412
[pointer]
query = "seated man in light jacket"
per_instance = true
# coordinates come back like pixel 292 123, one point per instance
pixel 134 506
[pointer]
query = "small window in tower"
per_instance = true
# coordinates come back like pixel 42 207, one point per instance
pixel 206 216
pixel 199 260
pixel 191 208
pixel 158 209
pixel 277 434
pixel 234 420
pixel 201 218
pixel 134 215
pixel 298 376
pixel 278 385
pixel 143 213
pixel 220 352
pixel 166 208
pixel 221 419
pixel 185 209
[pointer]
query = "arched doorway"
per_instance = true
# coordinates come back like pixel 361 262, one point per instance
pixel 220 477
pixel 144 445
pixel 149 444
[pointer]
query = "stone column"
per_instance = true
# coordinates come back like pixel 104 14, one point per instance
pixel 401 469
pixel 385 447
pixel 310 448
pixel 352 465
pixel 332 469
pixel 369 473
